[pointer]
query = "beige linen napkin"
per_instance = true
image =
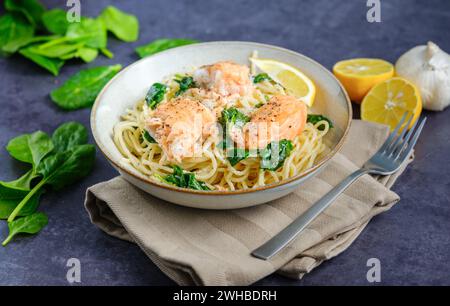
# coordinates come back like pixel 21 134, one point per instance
pixel 204 247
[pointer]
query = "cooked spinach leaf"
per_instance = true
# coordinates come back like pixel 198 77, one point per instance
pixel 32 10
pixel 124 26
pixel 81 89
pixel 274 155
pixel 317 118
pixel 31 224
pixel 148 137
pixel 235 155
pixel 163 44
pixel 55 21
pixel 185 83
pixel 15 33
pixel 155 95
pixel 234 116
pixel 261 77
pixel 184 179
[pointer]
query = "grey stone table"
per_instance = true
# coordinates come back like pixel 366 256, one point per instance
pixel 412 240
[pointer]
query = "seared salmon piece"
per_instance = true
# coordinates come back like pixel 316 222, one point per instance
pixel 228 79
pixel 283 117
pixel 180 127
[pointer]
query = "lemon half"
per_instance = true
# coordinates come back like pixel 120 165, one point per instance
pixel 292 79
pixel 359 75
pixel 388 101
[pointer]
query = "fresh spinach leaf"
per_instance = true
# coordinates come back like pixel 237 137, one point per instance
pixel 274 155
pixel 7 205
pixel 148 137
pixel 161 45
pixel 68 136
pixel 81 89
pixel 91 32
pixel 70 160
pixel 53 65
pixel 261 77
pixel 64 168
pixel 124 26
pixel 184 179
pixel 155 95
pixel 22 183
pixel 31 224
pixel 185 83
pixel 52 50
pixel 30 148
pixel 55 21
pixel 32 10
pixel 14 33
pixel 87 54
pixel 317 118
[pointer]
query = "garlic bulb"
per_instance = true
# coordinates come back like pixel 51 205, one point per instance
pixel 429 68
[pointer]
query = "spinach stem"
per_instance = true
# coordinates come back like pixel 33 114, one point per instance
pixel 8 239
pixel 25 200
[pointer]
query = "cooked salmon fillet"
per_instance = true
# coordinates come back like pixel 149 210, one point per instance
pixel 228 79
pixel 180 127
pixel 283 117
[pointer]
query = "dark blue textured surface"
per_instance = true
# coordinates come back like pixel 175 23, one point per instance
pixel 412 240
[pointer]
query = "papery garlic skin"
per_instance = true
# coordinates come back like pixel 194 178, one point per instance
pixel 428 67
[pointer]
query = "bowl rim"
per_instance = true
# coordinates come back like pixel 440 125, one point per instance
pixel 299 176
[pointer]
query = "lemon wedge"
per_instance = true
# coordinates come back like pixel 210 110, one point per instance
pixel 359 75
pixel 292 79
pixel 388 101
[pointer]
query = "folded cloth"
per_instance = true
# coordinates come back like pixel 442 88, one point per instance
pixel 201 247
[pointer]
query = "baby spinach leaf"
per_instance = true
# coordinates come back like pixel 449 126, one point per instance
pixel 91 32
pixel 14 33
pixel 69 135
pixel 53 65
pixel 162 44
pixel 274 155
pixel 87 54
pixel 185 83
pixel 155 95
pixel 31 224
pixel 317 118
pixel 56 50
pixel 7 205
pixel 124 26
pixel 32 10
pixel 64 168
pixel 55 21
pixel 22 183
pixel 81 89
pixel 184 179
pixel 261 77
pixel 30 148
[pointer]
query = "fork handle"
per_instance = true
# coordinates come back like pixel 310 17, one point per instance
pixel 279 241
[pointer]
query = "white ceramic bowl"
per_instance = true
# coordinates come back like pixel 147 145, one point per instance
pixel 133 82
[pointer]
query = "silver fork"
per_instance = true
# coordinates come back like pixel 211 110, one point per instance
pixel 386 160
